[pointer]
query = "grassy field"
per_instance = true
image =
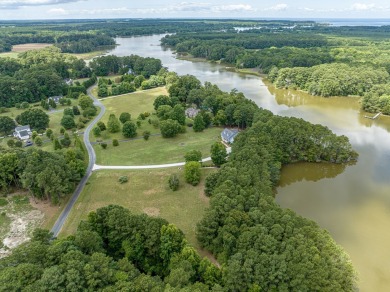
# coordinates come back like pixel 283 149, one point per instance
pixel 146 192
pixel 23 48
pixel 158 150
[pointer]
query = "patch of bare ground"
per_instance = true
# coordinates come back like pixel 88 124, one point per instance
pixel 151 211
pixel 23 219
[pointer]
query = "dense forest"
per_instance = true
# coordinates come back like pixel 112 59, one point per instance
pixel 322 60
pixel 113 250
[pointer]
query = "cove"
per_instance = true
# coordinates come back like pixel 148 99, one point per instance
pixel 352 202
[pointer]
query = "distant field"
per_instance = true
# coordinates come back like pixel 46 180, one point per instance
pixel 23 48
pixel 146 192
pixel 29 47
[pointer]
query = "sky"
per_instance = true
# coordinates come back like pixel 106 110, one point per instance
pixel 307 9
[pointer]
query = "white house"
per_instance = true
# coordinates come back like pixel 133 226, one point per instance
pixel 228 135
pixel 23 132
pixel 68 81
pixel 56 99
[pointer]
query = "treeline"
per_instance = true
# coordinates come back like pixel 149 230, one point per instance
pixel 105 65
pixel 37 75
pixel 377 99
pixel 45 175
pixel 83 43
pixel 247 231
pixel 330 79
pixel 113 250
pixel 9 40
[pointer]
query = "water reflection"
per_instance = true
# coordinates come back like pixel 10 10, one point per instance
pixel 352 202
pixel 303 171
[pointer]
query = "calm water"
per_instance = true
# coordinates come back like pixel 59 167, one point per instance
pixel 351 201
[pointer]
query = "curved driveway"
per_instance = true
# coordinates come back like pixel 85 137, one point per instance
pixel 92 159
pixel 92 166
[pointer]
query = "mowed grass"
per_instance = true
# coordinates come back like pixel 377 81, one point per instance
pixel 147 192
pixel 158 150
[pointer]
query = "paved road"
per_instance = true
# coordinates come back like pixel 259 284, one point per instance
pixel 92 159
pixel 100 167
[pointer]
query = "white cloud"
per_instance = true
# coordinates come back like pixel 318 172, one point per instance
pixel 278 7
pixel 363 7
pixel 168 10
pixel 14 4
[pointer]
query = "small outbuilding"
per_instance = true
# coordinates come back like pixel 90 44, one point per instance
pixel 228 135
pixel 23 132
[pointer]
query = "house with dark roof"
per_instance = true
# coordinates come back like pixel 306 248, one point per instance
pixel 23 132
pixel 56 99
pixel 228 135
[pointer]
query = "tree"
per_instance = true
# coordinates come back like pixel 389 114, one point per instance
pixel 96 131
pixel 7 125
pixel 85 101
pixel 124 117
pixel 68 112
pixel 192 172
pixel 178 114
pixel 49 133
pixel 169 128
pixel 164 112
pixel 34 134
pixel 102 126
pixel 162 100
pixel 11 143
pixel 38 141
pixel 76 110
pixel 103 145
pixel 129 130
pixel 174 182
pixel 199 124
pixel 218 153
pixel 113 124
pixel 36 118
pixel 19 144
pixel 68 122
pixel 193 155
pixel 115 142
pixel 57 145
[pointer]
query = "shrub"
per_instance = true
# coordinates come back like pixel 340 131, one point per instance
pixel 18 144
pixel 38 141
pixel 170 128
pixel 80 125
pixel 62 130
pixel 11 143
pixel 68 122
pixel 102 126
pixel 193 155
pixel 123 179
pixel 138 124
pixel 124 117
pixel 49 133
pixel 113 124
pixel 115 142
pixel 192 172
pixel 103 145
pixel 146 135
pixel 96 131
pixel 174 182
pixel 129 130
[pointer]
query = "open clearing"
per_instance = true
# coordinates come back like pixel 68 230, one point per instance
pixel 158 150
pixel 147 192
pixel 19 216
pixel 16 49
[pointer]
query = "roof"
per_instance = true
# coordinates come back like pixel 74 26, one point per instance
pixel 24 133
pixel 23 128
pixel 229 134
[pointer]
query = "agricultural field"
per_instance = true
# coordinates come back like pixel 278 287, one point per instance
pixel 16 49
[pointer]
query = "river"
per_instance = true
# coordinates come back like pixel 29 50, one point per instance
pixel 351 202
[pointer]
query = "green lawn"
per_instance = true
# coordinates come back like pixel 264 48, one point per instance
pixel 158 150
pixel 146 192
